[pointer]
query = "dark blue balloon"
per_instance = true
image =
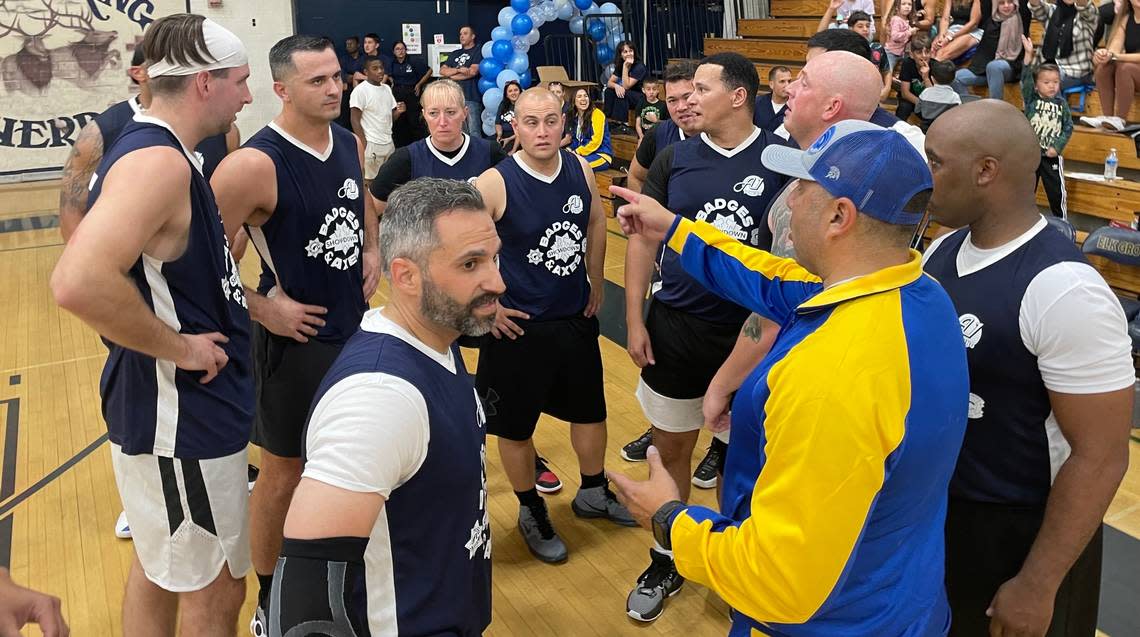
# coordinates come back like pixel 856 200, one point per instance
pixel 525 79
pixel 605 53
pixel 583 4
pixel 502 51
pixel 596 30
pixel 490 67
pixel 521 24
pixel 522 6
pixel 485 83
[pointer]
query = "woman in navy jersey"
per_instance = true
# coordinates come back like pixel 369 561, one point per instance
pixel 504 121
pixel 409 75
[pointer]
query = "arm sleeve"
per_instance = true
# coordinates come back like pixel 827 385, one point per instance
pixel 840 471
pixel 368 433
pixel 1066 128
pixel 900 30
pixel 1071 320
pixel 656 184
pixel 639 71
pixel 393 173
pixel 647 149
pixel 768 285
pixel 1028 88
pixel 356 98
pixel 1089 16
pixel 597 133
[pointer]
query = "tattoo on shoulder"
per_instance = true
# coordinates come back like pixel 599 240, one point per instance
pixel 752 328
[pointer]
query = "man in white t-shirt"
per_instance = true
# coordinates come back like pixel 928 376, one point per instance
pixel 1051 386
pixel 373 109
pixel 388 531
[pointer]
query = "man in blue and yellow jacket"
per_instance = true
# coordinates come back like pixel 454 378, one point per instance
pixel 845 436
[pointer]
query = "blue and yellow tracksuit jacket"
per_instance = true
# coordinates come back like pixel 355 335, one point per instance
pixel 592 141
pixel 843 442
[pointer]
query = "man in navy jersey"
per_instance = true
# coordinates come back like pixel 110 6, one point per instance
pixel 151 271
pixel 388 532
pixel 715 177
pixel 1051 393
pixel 545 356
pixel 98 135
pixel 312 223
pixel 462 66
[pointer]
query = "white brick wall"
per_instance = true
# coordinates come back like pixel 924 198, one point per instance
pixel 259 24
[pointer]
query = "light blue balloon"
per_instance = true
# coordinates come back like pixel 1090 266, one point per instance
pixel 486 50
pixel 610 7
pixel 519 63
pixel 577 25
pixel 521 24
pixel 565 11
pixel 615 39
pixel 505 76
pixel 536 18
pixel 520 5
pixel 549 11
pixel 494 96
pixel 488 129
pixel 520 44
pixel 506 14
pixel 500 33
pixel 532 37
pixel 592 9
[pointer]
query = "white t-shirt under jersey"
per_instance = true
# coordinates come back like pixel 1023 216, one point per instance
pixel 375 104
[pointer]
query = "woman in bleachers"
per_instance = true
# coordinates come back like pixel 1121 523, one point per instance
pixel 959 29
pixel 591 134
pixel 998 59
pixel 623 88
pixel 1117 69
pixel 1069 29
pixel 505 120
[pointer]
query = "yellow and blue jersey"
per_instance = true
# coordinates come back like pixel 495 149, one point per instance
pixel 844 440
pixel 592 140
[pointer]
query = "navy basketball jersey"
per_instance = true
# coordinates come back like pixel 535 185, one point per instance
pixel 151 406
pixel 473 158
pixel 210 152
pixel 543 230
pixel 729 189
pixel 431 549
pixel 1006 455
pixel 667 133
pixel 314 240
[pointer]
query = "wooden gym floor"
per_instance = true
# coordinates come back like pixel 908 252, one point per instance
pixel 58 501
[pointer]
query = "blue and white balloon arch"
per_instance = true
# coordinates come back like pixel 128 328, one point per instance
pixel 505 54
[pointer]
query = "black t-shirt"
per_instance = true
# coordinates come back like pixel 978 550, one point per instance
pixel 647 150
pixel 656 184
pixel 908 74
pixel 397 171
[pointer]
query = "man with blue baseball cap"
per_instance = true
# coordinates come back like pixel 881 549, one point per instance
pixel 843 441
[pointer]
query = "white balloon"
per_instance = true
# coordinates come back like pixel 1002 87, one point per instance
pixel 520 44
pixel 506 14
pixel 486 50
pixel 532 37
pixel 488 128
pixel 505 76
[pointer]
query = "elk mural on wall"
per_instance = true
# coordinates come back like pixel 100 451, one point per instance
pixel 57 41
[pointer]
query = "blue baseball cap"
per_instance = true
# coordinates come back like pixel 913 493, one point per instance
pixel 874 167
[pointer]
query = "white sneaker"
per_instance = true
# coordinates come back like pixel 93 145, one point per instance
pixel 1114 123
pixel 1095 122
pixel 122 529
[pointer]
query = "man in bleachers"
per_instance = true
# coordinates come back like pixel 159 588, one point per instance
pixel 771 107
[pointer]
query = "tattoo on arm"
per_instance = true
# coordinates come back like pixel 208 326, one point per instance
pixel 752 328
pixel 81 164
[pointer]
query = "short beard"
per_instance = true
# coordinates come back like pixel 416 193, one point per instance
pixel 443 310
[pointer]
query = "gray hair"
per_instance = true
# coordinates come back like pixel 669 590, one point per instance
pixel 408 230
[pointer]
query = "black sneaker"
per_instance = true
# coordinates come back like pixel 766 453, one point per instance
pixel 251 473
pixel 660 581
pixel 705 475
pixel 635 450
pixel 544 479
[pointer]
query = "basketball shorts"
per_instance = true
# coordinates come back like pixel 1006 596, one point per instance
pixel 554 368
pixel 688 352
pixel 188 517
pixel 288 374
pixel 986 545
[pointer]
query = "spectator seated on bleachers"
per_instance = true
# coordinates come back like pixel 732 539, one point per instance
pixel 959 29
pixel 998 57
pixel 940 97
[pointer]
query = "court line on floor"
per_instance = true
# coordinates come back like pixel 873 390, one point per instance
pixel 52 363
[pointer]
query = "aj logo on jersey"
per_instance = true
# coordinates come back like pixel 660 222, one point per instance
pixel 574 205
pixel 338 240
pixel 752 185
pixel 349 190
pixel 971 329
pixel 560 249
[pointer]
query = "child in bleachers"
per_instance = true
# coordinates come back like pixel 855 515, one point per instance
pixel 652 109
pixel 902 29
pixel 914 75
pixel 847 8
pixel 940 97
pixel 861 22
pixel 1049 115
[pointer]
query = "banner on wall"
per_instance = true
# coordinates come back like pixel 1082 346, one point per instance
pixel 63 62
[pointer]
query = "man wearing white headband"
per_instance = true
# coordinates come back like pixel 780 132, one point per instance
pixel 150 270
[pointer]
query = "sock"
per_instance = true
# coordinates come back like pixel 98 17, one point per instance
pixel 529 497
pixel 660 549
pixel 590 482
pixel 266 583
pixel 722 436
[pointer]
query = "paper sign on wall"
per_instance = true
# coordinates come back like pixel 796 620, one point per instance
pixel 439 38
pixel 413 37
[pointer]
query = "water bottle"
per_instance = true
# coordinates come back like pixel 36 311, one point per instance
pixel 1110 163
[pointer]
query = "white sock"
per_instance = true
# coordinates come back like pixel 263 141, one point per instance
pixel 722 435
pixel 660 549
